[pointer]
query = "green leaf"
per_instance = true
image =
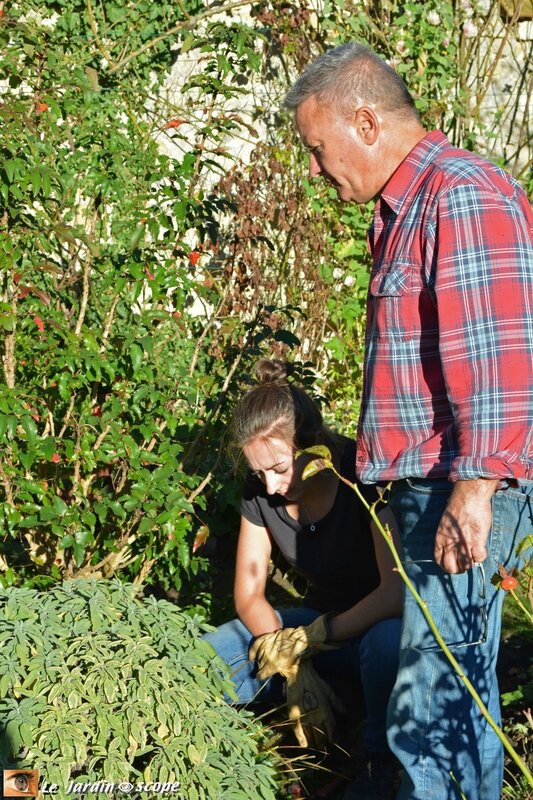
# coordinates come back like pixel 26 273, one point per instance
pixel 525 544
pixel 136 354
pixel 30 428
pixel 36 180
pixel 138 234
pixel 78 552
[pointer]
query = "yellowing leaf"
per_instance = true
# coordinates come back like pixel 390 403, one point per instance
pixel 315 466
pixel 316 450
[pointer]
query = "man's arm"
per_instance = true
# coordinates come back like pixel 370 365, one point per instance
pixel 483 283
pixel 463 531
pixel 483 290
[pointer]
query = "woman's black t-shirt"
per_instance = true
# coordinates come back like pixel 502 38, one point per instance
pixel 337 558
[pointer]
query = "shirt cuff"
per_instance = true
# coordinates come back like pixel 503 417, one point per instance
pixel 496 467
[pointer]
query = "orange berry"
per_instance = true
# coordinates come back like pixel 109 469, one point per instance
pixel 193 257
pixel 509 582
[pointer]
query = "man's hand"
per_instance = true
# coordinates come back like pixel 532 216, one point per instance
pixel 278 651
pixel 461 537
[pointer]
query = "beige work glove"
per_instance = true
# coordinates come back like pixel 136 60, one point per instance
pixel 278 651
pixel 311 705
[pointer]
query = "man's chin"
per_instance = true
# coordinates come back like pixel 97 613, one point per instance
pixel 343 193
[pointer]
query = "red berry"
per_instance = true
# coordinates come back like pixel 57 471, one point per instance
pixel 174 123
pixel 509 582
pixel 193 257
pixel 56 458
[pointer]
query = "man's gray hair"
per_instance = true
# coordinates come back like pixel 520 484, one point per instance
pixel 351 75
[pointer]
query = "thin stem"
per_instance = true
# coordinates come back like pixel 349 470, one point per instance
pixel 7 486
pixel 496 59
pixel 108 324
pixel 528 614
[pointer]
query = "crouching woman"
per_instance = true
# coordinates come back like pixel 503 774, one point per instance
pixel 346 630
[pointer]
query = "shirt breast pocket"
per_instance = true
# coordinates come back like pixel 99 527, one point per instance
pixel 394 299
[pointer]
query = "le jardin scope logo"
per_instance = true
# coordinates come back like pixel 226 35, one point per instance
pixel 25 783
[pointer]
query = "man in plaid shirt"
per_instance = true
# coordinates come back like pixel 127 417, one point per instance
pixel 447 411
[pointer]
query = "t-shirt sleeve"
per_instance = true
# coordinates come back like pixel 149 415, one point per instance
pixel 249 505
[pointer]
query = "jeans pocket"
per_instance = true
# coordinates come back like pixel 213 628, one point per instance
pixel 430 486
pixel 512 524
pixel 457 604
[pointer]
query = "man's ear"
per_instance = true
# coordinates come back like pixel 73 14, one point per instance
pixel 367 125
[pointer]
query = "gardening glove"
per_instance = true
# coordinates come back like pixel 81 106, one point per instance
pixel 278 651
pixel 311 705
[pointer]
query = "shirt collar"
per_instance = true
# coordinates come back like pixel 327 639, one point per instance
pixel 401 182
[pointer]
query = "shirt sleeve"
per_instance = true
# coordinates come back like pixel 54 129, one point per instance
pixel 249 505
pixel 484 296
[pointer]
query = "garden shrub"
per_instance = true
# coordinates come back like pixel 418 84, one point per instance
pixel 145 264
pixel 118 339
pixel 98 684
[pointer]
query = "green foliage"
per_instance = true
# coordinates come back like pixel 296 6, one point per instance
pixel 98 684
pixel 145 263
pixel 117 345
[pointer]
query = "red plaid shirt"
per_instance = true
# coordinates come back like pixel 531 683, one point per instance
pixel 448 380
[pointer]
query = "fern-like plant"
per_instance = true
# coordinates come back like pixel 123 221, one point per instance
pixel 98 684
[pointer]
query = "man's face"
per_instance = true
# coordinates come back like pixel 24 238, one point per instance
pixel 342 151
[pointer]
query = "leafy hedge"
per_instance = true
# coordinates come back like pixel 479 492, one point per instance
pixel 117 348
pixel 145 262
pixel 98 684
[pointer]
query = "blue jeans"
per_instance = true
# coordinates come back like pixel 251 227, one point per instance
pixel 372 659
pixel 434 726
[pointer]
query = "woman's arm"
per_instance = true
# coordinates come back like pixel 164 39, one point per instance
pixel 385 601
pixel 251 574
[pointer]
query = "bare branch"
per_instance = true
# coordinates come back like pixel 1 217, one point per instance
pixel 7 486
pixel 108 323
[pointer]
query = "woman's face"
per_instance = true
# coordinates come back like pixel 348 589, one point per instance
pixel 273 461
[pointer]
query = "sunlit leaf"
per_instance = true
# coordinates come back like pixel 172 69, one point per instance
pixel 315 466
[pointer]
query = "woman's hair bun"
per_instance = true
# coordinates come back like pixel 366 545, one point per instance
pixel 272 370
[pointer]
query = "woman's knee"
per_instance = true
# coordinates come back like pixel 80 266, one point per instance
pixel 381 643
